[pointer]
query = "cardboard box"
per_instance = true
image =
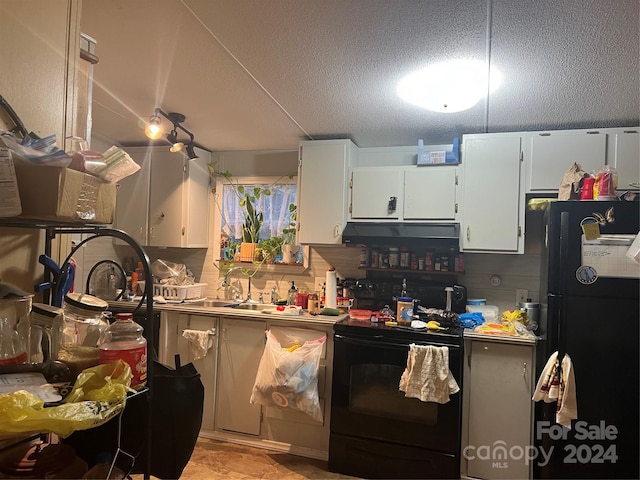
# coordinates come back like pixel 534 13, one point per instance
pixel 10 204
pixel 64 195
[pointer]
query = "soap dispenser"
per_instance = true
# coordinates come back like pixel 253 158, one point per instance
pixel 291 297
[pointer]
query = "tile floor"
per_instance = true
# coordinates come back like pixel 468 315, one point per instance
pixel 213 459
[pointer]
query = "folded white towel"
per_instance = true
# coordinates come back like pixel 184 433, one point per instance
pixel 200 342
pixel 427 375
pixel 550 388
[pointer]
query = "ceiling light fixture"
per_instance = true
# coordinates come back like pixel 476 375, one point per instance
pixel 449 87
pixel 153 130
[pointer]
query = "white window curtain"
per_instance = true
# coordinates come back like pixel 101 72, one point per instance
pixel 274 207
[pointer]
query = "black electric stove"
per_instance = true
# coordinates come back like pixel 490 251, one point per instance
pixel 399 333
pixel 373 294
pixel 378 432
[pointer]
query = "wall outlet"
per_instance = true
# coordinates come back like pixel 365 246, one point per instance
pixel 318 284
pixel 521 295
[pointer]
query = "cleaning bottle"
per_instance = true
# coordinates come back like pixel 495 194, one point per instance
pixel 291 297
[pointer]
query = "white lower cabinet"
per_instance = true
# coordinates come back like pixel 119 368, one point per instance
pixel 497 409
pixel 228 373
pixel 241 346
pixel 172 324
pixel 291 426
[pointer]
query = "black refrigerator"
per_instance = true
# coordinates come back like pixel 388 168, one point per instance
pixel 590 311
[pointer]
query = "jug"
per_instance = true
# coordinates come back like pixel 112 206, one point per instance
pixel 15 308
pixel 47 324
pixel 533 313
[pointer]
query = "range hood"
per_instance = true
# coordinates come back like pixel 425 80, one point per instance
pixel 423 235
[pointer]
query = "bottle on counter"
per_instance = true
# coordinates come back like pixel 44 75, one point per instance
pixel 313 304
pixel 291 296
pixel 405 310
pixel 140 271
pixel 123 340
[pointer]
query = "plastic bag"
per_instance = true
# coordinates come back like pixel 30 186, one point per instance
pixel 571 183
pixel 98 395
pixel 170 273
pixel 288 378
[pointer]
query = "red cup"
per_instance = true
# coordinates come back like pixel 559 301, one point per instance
pixel 587 188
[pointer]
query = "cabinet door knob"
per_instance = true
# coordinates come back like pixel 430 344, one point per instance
pixel 468 234
pixel 524 369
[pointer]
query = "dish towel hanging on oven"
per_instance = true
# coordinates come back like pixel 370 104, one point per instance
pixel 551 388
pixel 200 341
pixel 427 375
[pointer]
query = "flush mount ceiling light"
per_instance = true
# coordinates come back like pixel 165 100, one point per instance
pixel 154 131
pixel 448 87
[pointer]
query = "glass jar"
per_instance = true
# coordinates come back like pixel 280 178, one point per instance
pixel 394 257
pixel 15 310
pixel 83 326
pixel 404 257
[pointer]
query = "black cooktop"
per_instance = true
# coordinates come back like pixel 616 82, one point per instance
pixel 382 332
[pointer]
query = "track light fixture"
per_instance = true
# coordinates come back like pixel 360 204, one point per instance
pixel 153 131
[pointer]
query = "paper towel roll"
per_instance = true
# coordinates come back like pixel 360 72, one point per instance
pixel 330 282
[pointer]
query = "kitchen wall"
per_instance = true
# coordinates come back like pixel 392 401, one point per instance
pixel 514 271
pixel 37 79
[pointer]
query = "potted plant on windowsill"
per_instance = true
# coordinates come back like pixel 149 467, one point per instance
pixel 290 249
pixel 252 223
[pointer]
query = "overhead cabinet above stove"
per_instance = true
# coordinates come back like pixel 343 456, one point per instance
pixel 405 193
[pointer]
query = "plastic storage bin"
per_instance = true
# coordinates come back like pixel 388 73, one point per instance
pixel 177 292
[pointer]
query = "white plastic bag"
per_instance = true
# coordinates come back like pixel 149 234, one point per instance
pixel 288 378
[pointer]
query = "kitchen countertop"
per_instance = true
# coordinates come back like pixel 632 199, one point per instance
pixel 471 335
pixel 200 309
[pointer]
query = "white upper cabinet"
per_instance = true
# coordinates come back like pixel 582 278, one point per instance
pixel 548 155
pixel 552 153
pixel 624 155
pixel 165 204
pixel 323 190
pixel 493 213
pixel 376 193
pixel 430 193
pixel 404 193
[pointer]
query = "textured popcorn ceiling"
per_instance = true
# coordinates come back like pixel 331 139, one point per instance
pixel 257 74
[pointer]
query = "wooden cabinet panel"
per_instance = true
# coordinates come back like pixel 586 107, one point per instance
pixel 493 204
pixel 430 193
pixel 166 203
pixel 172 343
pixel 499 384
pixel 372 190
pixel 552 153
pixel 241 347
pixel 626 157
pixel 323 190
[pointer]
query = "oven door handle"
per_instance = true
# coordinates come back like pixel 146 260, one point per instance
pixel 379 340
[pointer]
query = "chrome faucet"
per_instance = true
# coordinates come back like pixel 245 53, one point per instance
pixel 225 283
pixel 274 296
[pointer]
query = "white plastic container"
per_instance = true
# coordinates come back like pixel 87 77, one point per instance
pixel 123 340
pixel 491 313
